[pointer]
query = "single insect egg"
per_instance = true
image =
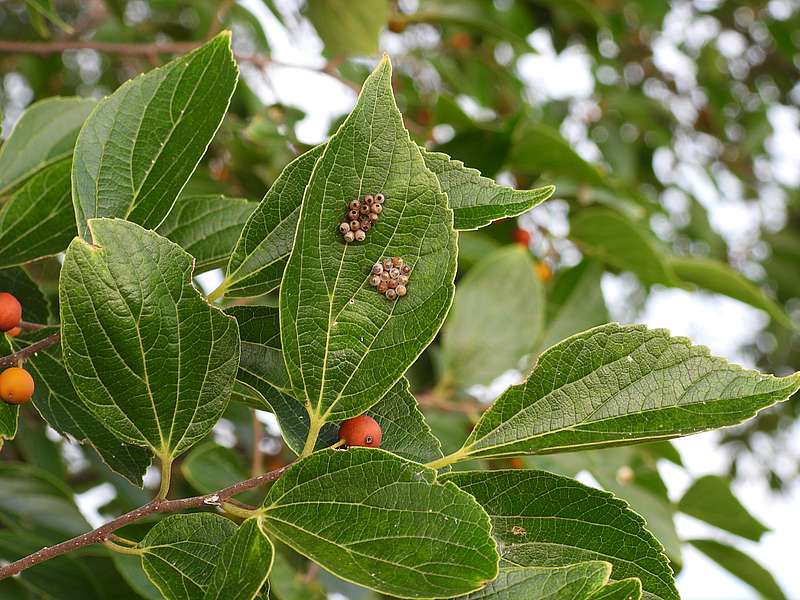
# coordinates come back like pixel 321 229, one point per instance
pixel 387 264
pixel 397 261
pixel 361 431
pixel 394 273
pixel 375 280
pixel 382 287
pixel 377 268
pixel 349 237
pixel 385 276
pixel 354 205
pixel 366 225
pixel 369 199
pixel 364 210
pixel 373 217
pixel 360 235
pixel 400 289
pixel 344 227
pixel 379 198
pixel 405 269
pixel 391 294
pixel 355 225
pixel 376 209
pixel 392 283
pixel 353 214
pixel 402 280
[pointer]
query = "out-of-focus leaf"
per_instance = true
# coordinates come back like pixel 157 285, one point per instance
pixel 571 582
pixel 348 28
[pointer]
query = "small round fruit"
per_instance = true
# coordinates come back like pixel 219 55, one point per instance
pixel 375 280
pixel 10 311
pixel 354 205
pixel 401 290
pixel 361 431
pixel 376 209
pixel 14 332
pixel 349 237
pixel 344 228
pixel 377 268
pixel 355 225
pixel 391 294
pixel 16 385
pixel 379 198
pixel 352 214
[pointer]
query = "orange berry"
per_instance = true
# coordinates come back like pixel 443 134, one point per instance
pixel 521 237
pixel 14 332
pixel 16 385
pixel 461 40
pixel 10 311
pixel 361 431
pixel 544 272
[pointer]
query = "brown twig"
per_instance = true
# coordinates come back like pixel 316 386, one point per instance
pixel 12 359
pixel 103 533
pixel 219 15
pixel 256 466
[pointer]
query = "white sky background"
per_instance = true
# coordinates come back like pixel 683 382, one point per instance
pixel 705 318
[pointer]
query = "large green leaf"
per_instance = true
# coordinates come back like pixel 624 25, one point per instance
pixel 546 520
pixel 616 385
pixel 575 303
pixel 145 352
pixel 476 200
pixel 38 220
pixel 497 316
pixel 181 552
pixel 614 239
pixel 56 400
pixel 344 344
pixel 627 589
pixel 207 227
pixel 571 582
pixel 382 522
pixel 711 499
pixel 742 566
pixel 9 414
pixel 139 146
pixel 348 28
pixel 245 560
pixel 718 277
pixel 45 133
pixel 259 258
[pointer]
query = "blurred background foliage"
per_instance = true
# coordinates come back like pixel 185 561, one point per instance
pixel 669 128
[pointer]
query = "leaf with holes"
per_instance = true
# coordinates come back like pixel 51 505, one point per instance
pixel 141 144
pixel 146 354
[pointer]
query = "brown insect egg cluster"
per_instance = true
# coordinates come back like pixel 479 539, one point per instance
pixel 361 216
pixel 390 277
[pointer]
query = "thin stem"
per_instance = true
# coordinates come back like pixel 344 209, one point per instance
pixel 103 533
pixel 219 292
pixel 455 457
pixel 338 444
pixel 238 511
pixel 14 359
pixel 122 549
pixel 166 477
pixel 314 428
pixel 27 325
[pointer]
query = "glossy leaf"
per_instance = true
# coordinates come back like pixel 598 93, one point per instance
pixel 742 566
pixel 542 519
pixel 245 560
pixel 141 144
pixel 145 352
pixel 382 522
pixel 348 28
pixel 616 240
pixel 711 499
pixel 181 552
pixel 720 278
pixel 571 582
pixel 207 227
pixel 38 219
pixel 56 400
pixel 616 385
pixel 344 344
pixel 497 317
pixel 476 200
pixel 44 134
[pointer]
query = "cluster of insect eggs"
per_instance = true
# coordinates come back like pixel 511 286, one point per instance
pixel 390 277
pixel 361 217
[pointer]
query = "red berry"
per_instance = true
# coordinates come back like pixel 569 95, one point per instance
pixel 16 385
pixel 10 311
pixel 521 237
pixel 361 431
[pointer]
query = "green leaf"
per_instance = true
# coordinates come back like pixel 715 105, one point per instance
pixel 575 303
pixel 571 582
pixel 720 278
pixel 30 497
pixel 616 240
pixel 348 28
pixel 645 385
pixel 476 200
pixel 145 352
pixel 542 519
pixel 130 567
pixel 16 281
pixel 344 344
pixel 627 589
pixel 288 581
pixel 38 220
pixel 245 560
pixel 141 144
pixel 261 361
pixel 9 414
pixel 497 316
pixel 742 566
pixel 56 400
pixel 259 258
pixel 382 522
pixel 710 499
pixel 44 134
pixel 210 467
pixel 207 227
pixel 180 553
